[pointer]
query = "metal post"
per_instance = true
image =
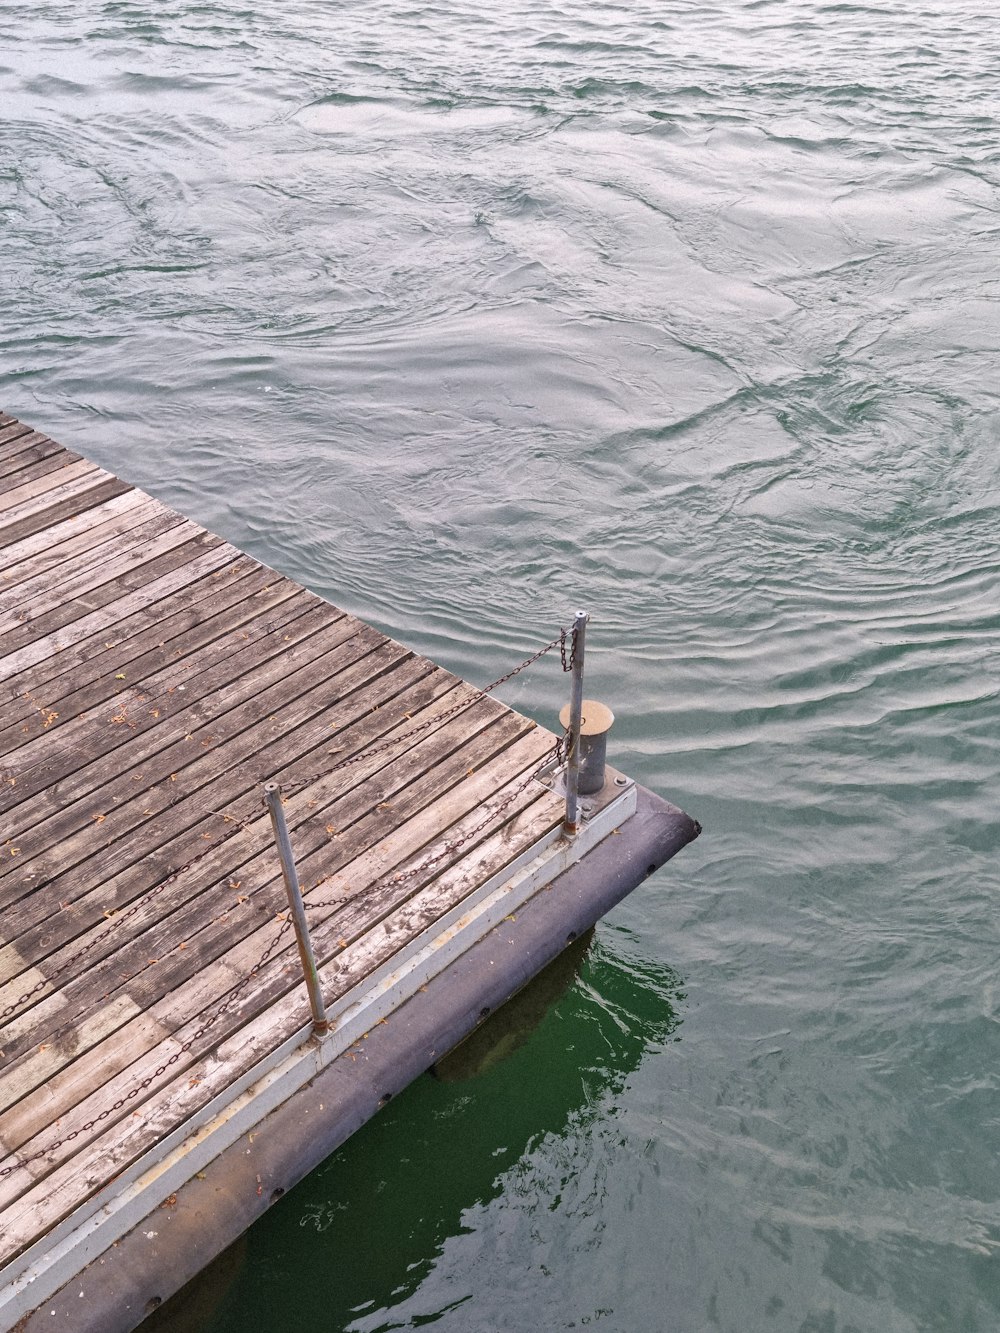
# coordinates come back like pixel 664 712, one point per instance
pixel 572 821
pixel 272 799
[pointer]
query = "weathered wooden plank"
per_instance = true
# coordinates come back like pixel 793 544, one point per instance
pixel 199 748
pixel 96 621
pixel 240 594
pixel 201 890
pixel 258 1037
pixel 206 817
pixel 55 544
pixel 29 602
pixel 354 940
pixel 52 468
pixel 36 925
pixel 79 659
pixel 371 836
pixel 74 499
pixel 15 437
pixel 367 886
pixel 107 582
pixel 32 1068
pixel 361 817
pixel 12 437
pixel 105 1096
pixel 26 578
pixel 22 497
pixel 68 1087
pixel 167 709
pixel 191 1087
pixel 172 811
pixel 172 746
pixel 199 1084
pixel 72 556
pixel 16 459
pixel 374 939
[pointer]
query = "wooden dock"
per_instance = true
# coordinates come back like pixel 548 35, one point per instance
pixel 152 1006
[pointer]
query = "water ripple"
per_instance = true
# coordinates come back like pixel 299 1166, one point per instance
pixel 466 316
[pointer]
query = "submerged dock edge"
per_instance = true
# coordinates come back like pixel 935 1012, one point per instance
pixel 132 1278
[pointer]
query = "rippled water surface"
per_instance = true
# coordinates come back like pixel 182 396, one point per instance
pixel 464 314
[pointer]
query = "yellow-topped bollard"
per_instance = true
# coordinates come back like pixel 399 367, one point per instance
pixel 595 722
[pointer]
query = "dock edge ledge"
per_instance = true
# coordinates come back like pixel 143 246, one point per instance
pixel 43 1269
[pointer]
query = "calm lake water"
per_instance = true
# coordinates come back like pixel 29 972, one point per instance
pixel 466 314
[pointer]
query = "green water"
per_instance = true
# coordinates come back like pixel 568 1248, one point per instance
pixel 465 315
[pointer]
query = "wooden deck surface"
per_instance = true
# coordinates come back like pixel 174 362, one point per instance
pixel 152 678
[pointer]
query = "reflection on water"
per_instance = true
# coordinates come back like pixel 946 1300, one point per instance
pixel 513 1023
pixel 369 1226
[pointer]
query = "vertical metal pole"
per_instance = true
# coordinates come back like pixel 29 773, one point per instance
pixel 272 799
pixel 572 821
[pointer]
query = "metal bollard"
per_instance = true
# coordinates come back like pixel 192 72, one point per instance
pixel 272 799
pixel 595 722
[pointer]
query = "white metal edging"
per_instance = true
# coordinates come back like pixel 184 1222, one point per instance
pixel 67 1248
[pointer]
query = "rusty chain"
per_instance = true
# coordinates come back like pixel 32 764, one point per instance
pixel 229 1000
pixel 69 1022
pixel 565 641
pixel 566 657
pixel 117 919
pixel 454 845
pixel 564 638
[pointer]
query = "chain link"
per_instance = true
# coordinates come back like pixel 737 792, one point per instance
pixel 453 846
pixel 566 643
pixel 117 919
pixel 230 998
pixel 67 1023
pixel 382 747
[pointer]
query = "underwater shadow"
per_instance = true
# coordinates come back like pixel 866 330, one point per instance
pixel 363 1230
